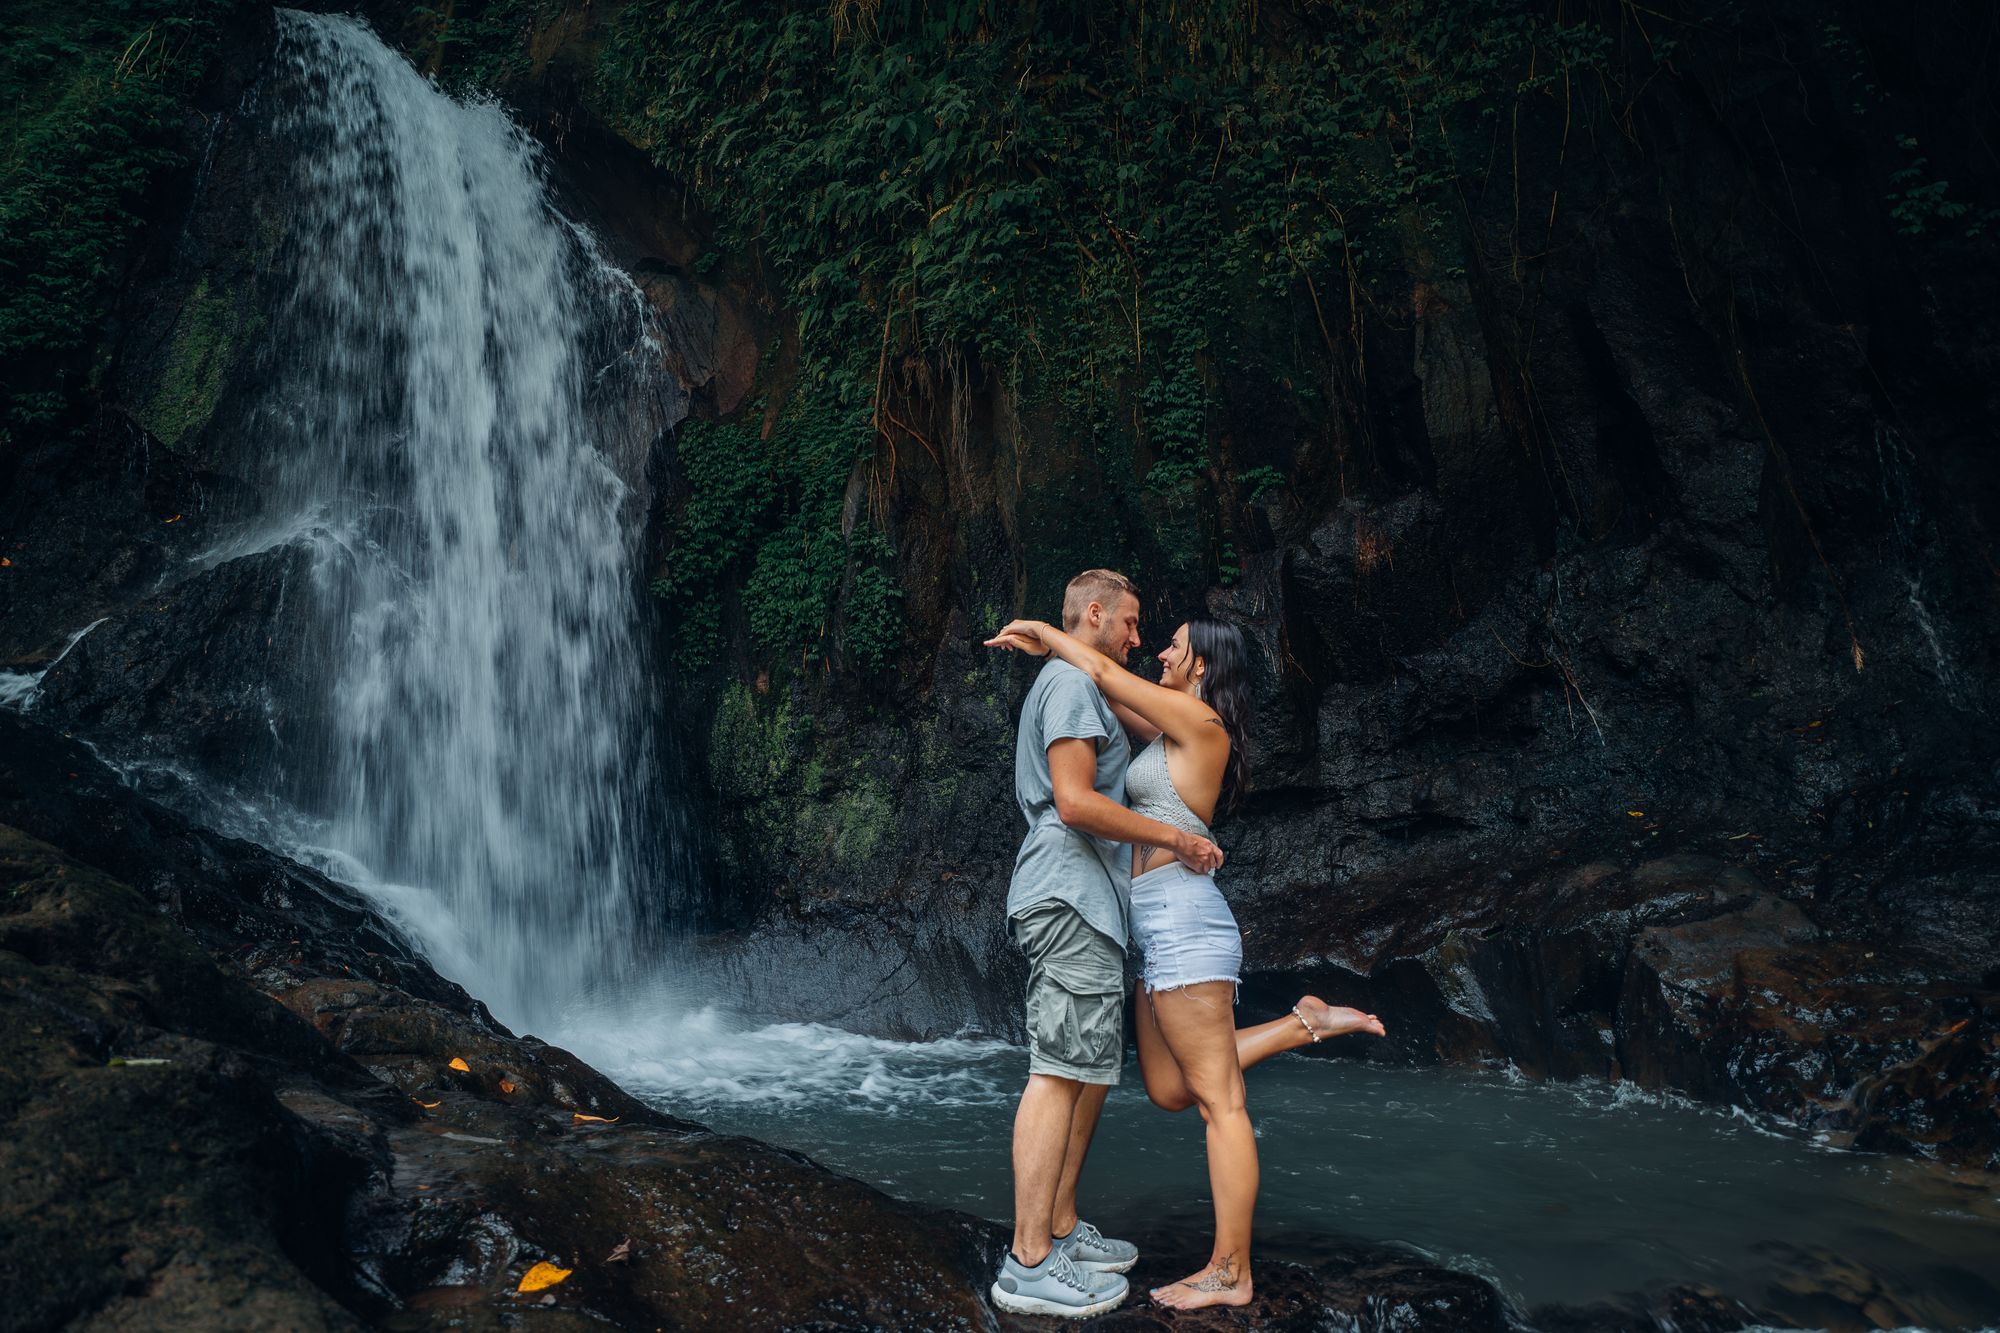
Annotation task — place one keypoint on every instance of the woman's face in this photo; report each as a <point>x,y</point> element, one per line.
<point>1177,664</point>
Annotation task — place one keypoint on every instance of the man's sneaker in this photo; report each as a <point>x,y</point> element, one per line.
<point>1094,1252</point>
<point>1056,1286</point>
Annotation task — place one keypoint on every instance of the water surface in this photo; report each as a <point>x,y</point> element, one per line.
<point>1559,1193</point>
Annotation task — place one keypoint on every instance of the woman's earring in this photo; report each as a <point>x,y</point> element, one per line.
<point>1198,691</point>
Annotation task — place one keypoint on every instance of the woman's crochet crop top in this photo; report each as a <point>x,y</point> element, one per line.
<point>1149,791</point>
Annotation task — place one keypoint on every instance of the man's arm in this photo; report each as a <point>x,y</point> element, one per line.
<point>1073,771</point>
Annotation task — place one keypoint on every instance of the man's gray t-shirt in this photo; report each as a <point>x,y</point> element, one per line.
<point>1056,861</point>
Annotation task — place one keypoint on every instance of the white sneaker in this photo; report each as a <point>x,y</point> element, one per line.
<point>1094,1252</point>
<point>1056,1286</point>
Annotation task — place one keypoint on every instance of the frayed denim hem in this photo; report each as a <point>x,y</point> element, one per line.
<point>1236,982</point>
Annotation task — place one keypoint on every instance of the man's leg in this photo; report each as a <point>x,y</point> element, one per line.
<point>1082,1124</point>
<point>1050,1106</point>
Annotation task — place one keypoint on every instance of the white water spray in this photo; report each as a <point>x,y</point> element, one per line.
<point>462,397</point>
<point>1906,516</point>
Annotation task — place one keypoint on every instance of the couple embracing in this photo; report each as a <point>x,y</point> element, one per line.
<point>1119,849</point>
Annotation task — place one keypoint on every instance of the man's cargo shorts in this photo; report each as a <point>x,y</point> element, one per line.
<point>1076,994</point>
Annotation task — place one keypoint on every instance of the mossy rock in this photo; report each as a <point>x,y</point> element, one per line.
<point>208,334</point>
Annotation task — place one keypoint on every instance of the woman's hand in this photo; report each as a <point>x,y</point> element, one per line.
<point>1024,636</point>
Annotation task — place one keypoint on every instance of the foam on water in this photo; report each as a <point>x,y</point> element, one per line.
<point>19,689</point>
<point>705,1059</point>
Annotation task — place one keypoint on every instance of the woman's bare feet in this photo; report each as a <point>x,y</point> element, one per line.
<point>1224,1282</point>
<point>1324,1020</point>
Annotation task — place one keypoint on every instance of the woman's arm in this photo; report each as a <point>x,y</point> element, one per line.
<point>1138,728</point>
<point>1185,719</point>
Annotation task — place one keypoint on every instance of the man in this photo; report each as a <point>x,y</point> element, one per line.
<point>1067,909</point>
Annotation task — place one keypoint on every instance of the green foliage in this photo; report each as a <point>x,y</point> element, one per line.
<point>776,509</point>
<point>771,770</point>
<point>1920,205</point>
<point>1259,482</point>
<point>483,44</point>
<point>1083,196</point>
<point>729,494</point>
<point>91,102</point>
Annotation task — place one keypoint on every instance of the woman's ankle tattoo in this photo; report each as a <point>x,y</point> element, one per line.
<point>1220,1277</point>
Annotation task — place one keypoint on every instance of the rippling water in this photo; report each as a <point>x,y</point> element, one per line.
<point>1559,1193</point>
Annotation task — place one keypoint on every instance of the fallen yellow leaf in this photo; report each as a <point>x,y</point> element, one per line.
<point>428,1105</point>
<point>458,1063</point>
<point>579,1116</point>
<point>1636,814</point>
<point>505,1086</point>
<point>541,1276</point>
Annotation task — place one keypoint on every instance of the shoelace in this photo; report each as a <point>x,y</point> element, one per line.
<point>1063,1271</point>
<point>1087,1234</point>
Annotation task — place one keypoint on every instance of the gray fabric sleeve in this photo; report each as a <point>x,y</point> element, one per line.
<point>1070,710</point>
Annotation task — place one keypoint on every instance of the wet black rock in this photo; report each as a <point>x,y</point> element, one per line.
<point>234,1099</point>
<point>164,674</point>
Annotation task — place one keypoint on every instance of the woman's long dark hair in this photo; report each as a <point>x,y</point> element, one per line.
<point>1225,687</point>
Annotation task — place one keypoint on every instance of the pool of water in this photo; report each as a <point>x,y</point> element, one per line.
<point>1561,1194</point>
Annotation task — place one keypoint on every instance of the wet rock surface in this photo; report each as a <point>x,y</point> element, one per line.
<point>1358,1288</point>
<point>233,1102</point>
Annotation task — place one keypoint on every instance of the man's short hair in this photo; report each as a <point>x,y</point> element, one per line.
<point>1093,585</point>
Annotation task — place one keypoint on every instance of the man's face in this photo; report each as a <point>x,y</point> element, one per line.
<point>1118,630</point>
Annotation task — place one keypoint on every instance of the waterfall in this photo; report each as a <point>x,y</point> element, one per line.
<point>462,394</point>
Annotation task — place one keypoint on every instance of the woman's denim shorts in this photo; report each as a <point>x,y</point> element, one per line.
<point>1184,928</point>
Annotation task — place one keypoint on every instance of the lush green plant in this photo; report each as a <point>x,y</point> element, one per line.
<point>1081,195</point>
<point>772,507</point>
<point>1921,205</point>
<point>92,98</point>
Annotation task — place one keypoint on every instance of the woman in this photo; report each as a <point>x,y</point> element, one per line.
<point>1190,1050</point>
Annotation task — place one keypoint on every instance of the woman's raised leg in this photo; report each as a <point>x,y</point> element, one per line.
<point>1315,1017</point>
<point>1197,1026</point>
<point>1167,1087</point>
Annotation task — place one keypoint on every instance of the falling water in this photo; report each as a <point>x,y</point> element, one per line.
<point>1899,492</point>
<point>463,394</point>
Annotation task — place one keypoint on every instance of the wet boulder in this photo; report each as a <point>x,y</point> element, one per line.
<point>1877,1046</point>
<point>206,673</point>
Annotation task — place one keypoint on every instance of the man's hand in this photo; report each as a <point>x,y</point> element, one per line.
<point>1198,854</point>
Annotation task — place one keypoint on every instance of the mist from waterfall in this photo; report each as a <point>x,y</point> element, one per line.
<point>463,394</point>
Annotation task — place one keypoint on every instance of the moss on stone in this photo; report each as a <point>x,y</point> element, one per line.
<point>190,383</point>
<point>855,823</point>
<point>752,754</point>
